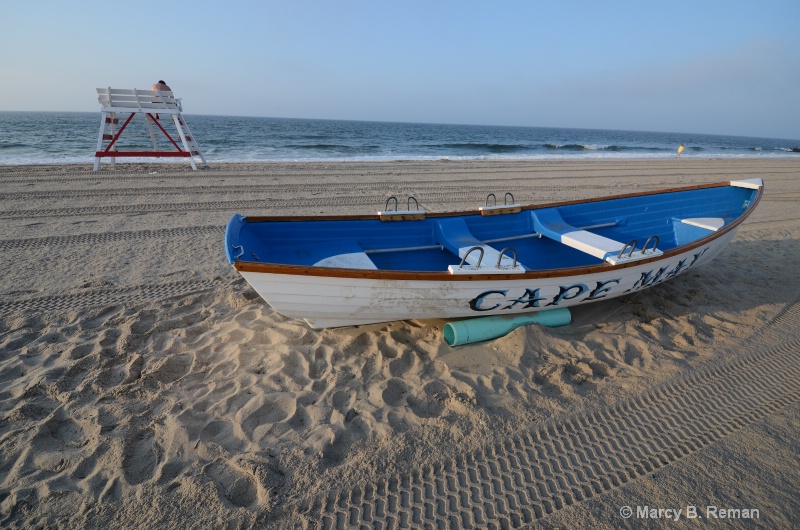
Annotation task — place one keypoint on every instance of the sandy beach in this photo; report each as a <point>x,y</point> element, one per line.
<point>144,384</point>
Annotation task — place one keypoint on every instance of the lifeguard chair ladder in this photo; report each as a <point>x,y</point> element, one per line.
<point>151,104</point>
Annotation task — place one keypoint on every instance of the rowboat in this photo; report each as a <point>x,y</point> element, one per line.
<point>499,259</point>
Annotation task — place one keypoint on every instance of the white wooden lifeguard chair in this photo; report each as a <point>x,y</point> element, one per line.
<point>150,105</point>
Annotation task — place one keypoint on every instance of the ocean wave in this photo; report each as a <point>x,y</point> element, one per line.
<point>12,145</point>
<point>38,159</point>
<point>583,147</point>
<point>341,148</point>
<point>565,147</point>
<point>610,148</point>
<point>484,147</point>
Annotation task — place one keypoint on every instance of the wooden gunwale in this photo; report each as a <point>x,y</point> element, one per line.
<point>374,217</point>
<point>303,270</point>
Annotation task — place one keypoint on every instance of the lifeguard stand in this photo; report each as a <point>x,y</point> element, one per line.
<point>152,106</point>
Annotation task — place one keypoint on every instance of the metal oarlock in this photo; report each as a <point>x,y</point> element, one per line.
<point>464,259</point>
<point>655,244</point>
<point>631,244</point>
<point>500,257</point>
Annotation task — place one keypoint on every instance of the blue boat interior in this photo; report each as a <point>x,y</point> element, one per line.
<point>539,237</point>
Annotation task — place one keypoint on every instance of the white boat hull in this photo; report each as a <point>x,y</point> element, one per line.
<point>334,301</point>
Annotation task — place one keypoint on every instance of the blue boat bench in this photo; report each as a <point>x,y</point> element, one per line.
<point>549,223</point>
<point>454,235</point>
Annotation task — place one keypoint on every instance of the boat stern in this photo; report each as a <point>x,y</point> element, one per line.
<point>234,249</point>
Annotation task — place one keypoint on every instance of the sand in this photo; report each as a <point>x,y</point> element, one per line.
<point>143,384</point>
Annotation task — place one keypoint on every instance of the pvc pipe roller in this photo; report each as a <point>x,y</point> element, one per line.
<point>486,328</point>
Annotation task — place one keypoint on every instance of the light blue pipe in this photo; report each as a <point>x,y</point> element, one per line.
<point>485,328</point>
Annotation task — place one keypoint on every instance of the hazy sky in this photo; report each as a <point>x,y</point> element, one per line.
<point>722,67</point>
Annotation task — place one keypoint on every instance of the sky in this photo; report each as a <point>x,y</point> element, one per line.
<point>714,67</point>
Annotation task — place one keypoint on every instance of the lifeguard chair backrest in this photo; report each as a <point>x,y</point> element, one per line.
<point>127,100</point>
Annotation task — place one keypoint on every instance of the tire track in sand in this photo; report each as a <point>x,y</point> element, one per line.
<point>565,461</point>
<point>107,237</point>
<point>111,296</point>
<point>232,206</point>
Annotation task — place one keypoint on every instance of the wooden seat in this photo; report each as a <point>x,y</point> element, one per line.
<point>151,104</point>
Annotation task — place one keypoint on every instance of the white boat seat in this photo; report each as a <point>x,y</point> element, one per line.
<point>549,223</point>
<point>709,223</point>
<point>691,229</point>
<point>752,184</point>
<point>352,260</point>
<point>346,254</point>
<point>454,235</point>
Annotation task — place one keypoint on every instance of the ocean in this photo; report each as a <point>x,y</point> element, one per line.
<point>71,137</point>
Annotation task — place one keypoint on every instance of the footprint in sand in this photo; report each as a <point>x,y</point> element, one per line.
<point>396,392</point>
<point>141,458</point>
<point>271,409</point>
<point>169,472</point>
<point>64,429</point>
<point>222,433</point>
<point>173,368</point>
<point>81,350</point>
<point>238,487</point>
